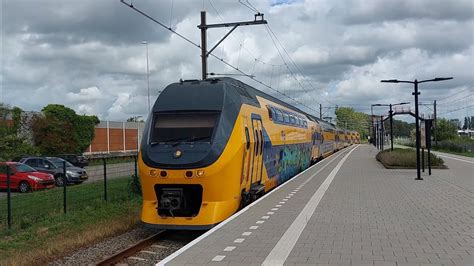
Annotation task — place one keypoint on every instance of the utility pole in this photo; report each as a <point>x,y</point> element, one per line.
<point>391,128</point>
<point>203,27</point>
<point>203,45</point>
<point>321,111</point>
<point>435,124</point>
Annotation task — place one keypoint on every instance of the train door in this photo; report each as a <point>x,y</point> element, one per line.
<point>257,151</point>
<point>247,157</point>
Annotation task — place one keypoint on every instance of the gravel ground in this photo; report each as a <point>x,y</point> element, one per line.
<point>171,242</point>
<point>110,246</point>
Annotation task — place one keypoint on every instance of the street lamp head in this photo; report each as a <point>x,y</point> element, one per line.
<point>144,42</point>
<point>401,103</point>
<point>441,79</point>
<point>389,81</point>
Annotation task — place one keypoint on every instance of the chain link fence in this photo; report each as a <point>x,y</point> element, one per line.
<point>107,182</point>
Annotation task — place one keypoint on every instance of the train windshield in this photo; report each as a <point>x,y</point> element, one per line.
<point>183,127</point>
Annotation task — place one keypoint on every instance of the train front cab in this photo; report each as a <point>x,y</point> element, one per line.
<point>179,193</point>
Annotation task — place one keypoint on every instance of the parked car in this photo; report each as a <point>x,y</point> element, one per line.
<point>24,178</point>
<point>75,159</point>
<point>54,166</point>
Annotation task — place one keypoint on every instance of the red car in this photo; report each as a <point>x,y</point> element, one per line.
<point>24,178</point>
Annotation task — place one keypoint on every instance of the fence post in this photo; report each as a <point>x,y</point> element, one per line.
<point>104,160</point>
<point>64,186</point>
<point>135,164</point>
<point>9,203</point>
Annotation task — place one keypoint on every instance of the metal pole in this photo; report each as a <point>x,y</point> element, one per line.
<point>373,124</point>
<point>383,133</point>
<point>203,45</point>
<point>423,160</point>
<point>417,133</point>
<point>435,124</point>
<point>148,76</point>
<point>135,164</point>
<point>9,199</point>
<point>428,144</point>
<point>391,128</point>
<point>64,187</point>
<point>104,161</point>
<point>320,111</point>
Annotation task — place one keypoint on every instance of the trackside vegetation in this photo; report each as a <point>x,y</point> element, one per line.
<point>50,234</point>
<point>406,159</point>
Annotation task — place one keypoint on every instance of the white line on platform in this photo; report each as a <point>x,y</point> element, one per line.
<point>239,240</point>
<point>229,248</point>
<point>253,227</point>
<point>453,158</point>
<point>270,213</point>
<point>260,222</point>
<point>237,214</point>
<point>217,258</point>
<point>246,233</point>
<point>285,245</point>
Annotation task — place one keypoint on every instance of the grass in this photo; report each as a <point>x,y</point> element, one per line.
<point>406,158</point>
<point>43,232</point>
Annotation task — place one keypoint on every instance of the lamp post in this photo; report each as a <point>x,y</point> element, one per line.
<point>417,126</point>
<point>391,118</point>
<point>147,75</point>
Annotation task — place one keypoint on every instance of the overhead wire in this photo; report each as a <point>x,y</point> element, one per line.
<point>216,57</point>
<point>457,109</point>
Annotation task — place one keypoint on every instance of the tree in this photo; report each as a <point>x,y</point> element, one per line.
<point>12,142</point>
<point>60,130</point>
<point>446,129</point>
<point>135,119</point>
<point>467,123</point>
<point>349,119</point>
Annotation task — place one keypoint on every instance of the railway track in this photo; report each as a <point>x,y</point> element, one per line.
<point>152,249</point>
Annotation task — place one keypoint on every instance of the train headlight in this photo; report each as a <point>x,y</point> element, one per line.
<point>200,173</point>
<point>153,172</point>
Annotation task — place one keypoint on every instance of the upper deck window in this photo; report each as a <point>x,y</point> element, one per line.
<point>279,116</point>
<point>183,127</point>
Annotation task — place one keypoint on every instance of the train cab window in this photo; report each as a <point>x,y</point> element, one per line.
<point>279,116</point>
<point>300,122</point>
<point>286,118</point>
<point>305,124</point>
<point>247,138</point>
<point>183,127</point>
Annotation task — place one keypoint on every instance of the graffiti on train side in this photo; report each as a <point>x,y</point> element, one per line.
<point>284,162</point>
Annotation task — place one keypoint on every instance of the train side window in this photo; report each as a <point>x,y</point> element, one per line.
<point>270,112</point>
<point>247,137</point>
<point>257,142</point>
<point>279,115</point>
<point>292,119</point>
<point>286,118</point>
<point>261,142</point>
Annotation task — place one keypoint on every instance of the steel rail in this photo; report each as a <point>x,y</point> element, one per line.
<point>130,251</point>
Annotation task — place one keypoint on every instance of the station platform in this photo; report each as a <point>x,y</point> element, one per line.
<point>345,210</point>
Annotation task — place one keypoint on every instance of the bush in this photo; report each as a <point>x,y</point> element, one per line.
<point>459,144</point>
<point>406,158</point>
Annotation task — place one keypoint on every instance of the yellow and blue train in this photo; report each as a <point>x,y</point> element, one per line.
<point>211,147</point>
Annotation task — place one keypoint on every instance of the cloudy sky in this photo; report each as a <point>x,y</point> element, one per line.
<point>89,55</point>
